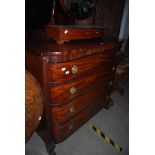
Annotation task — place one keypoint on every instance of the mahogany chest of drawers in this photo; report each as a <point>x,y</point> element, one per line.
<point>76,78</point>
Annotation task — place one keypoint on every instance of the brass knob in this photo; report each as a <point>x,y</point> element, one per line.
<point>70,127</point>
<point>113,68</point>
<point>110,83</point>
<point>39,118</point>
<point>66,31</point>
<point>63,69</point>
<point>72,90</point>
<point>72,109</point>
<point>74,69</point>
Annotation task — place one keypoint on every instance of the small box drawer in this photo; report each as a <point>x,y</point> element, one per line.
<point>61,94</point>
<point>70,32</point>
<point>64,71</point>
<point>61,132</point>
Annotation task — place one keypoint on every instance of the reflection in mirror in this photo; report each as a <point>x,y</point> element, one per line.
<point>79,9</point>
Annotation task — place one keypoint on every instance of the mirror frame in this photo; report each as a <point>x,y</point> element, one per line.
<point>69,13</point>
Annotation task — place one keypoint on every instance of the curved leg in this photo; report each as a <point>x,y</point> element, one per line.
<point>109,103</point>
<point>50,148</point>
<point>118,88</point>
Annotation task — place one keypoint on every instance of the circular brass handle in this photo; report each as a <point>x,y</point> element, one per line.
<point>74,69</point>
<point>72,109</point>
<point>72,90</point>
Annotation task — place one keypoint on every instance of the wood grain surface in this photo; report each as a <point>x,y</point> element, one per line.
<point>76,78</point>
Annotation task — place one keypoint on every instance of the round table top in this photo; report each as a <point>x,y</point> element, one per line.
<point>33,104</point>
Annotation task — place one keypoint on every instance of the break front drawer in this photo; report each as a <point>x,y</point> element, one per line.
<point>64,71</point>
<point>61,132</point>
<point>61,114</point>
<point>63,93</point>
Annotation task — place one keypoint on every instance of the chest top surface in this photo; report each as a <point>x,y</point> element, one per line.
<point>69,51</point>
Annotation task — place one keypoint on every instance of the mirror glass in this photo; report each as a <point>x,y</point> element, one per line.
<point>79,9</point>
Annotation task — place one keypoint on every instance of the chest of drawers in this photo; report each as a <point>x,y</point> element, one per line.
<point>76,79</point>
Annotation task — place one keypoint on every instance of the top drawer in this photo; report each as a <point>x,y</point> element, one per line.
<point>71,69</point>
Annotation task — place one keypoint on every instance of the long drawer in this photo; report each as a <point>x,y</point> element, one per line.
<point>72,69</point>
<point>61,132</point>
<point>63,93</point>
<point>61,114</point>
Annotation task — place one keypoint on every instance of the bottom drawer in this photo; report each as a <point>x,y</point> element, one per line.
<point>61,132</point>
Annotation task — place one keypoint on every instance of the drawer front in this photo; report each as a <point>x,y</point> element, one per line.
<point>61,94</point>
<point>62,114</point>
<point>61,132</point>
<point>71,69</point>
<point>72,33</point>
